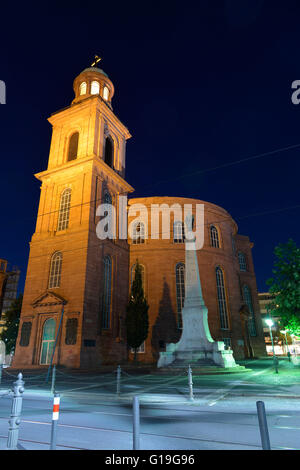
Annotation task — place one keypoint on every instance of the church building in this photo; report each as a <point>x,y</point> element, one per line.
<point>78,285</point>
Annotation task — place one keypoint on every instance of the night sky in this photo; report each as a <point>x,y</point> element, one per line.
<point>198,84</point>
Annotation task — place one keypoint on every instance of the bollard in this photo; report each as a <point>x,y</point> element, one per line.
<point>55,416</point>
<point>1,368</point>
<point>118,380</point>
<point>190,377</point>
<point>136,423</point>
<point>263,425</point>
<point>15,417</point>
<point>53,379</point>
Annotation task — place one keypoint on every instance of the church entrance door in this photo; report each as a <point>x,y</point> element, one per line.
<point>48,341</point>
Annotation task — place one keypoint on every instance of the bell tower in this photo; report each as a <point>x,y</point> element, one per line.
<point>77,285</point>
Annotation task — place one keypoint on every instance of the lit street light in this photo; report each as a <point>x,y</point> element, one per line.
<point>270,323</point>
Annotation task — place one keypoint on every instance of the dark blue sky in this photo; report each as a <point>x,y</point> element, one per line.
<point>198,84</point>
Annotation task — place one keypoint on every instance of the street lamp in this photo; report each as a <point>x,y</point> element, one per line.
<point>284,332</point>
<point>270,323</point>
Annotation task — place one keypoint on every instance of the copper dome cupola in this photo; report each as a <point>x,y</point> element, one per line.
<point>93,81</point>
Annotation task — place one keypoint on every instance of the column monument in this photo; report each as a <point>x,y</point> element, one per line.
<point>196,347</point>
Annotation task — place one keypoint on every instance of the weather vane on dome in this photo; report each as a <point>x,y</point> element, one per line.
<point>97,59</point>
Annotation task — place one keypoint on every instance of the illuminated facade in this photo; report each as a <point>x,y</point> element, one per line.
<point>77,285</point>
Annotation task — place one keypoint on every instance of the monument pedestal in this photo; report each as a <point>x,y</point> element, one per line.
<point>196,347</point>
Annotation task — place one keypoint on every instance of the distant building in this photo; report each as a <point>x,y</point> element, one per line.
<point>265,299</point>
<point>9,280</point>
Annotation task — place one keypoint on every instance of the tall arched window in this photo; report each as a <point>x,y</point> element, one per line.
<point>95,88</point>
<point>73,146</point>
<point>233,244</point>
<point>106,305</point>
<point>132,276</point>
<point>138,233</point>
<point>214,237</point>
<point>48,340</point>
<point>248,301</point>
<point>64,210</point>
<point>178,230</point>
<point>55,270</point>
<point>180,291</point>
<point>242,261</point>
<point>109,152</point>
<point>82,88</point>
<point>222,299</point>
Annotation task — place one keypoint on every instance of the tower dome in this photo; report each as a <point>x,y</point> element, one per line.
<point>93,81</point>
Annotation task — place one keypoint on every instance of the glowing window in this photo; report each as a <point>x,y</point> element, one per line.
<point>105,93</point>
<point>95,87</point>
<point>82,88</point>
<point>64,210</point>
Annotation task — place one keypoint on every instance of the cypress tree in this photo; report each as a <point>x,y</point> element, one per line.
<point>137,322</point>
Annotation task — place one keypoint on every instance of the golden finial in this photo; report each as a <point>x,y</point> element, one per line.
<point>97,59</point>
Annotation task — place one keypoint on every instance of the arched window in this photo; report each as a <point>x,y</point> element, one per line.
<point>132,276</point>
<point>73,146</point>
<point>105,93</point>
<point>178,230</point>
<point>233,244</point>
<point>109,152</point>
<point>55,270</point>
<point>248,301</point>
<point>48,340</point>
<point>180,291</point>
<point>214,237</point>
<point>138,233</point>
<point>107,198</point>
<point>242,261</point>
<point>106,305</point>
<point>95,88</point>
<point>64,210</point>
<point>222,299</point>
<point>82,88</point>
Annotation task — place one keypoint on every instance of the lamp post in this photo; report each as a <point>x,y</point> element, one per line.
<point>270,323</point>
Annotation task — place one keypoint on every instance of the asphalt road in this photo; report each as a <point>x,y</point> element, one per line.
<point>222,416</point>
